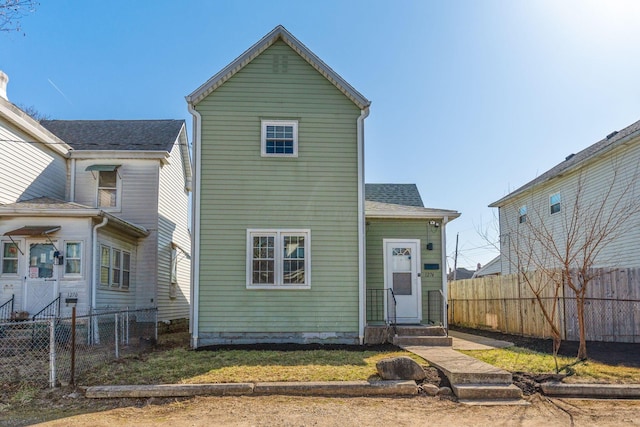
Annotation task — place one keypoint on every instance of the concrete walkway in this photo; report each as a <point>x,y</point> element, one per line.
<point>462,341</point>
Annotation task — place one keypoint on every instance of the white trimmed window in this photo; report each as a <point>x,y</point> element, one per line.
<point>278,259</point>
<point>279,138</point>
<point>115,268</point>
<point>522,214</point>
<point>9,254</point>
<point>554,203</point>
<point>73,259</point>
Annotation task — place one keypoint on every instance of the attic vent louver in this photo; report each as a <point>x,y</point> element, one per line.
<point>612,134</point>
<point>569,156</point>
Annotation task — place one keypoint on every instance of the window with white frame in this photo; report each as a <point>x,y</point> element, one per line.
<point>522,214</point>
<point>73,259</point>
<point>278,259</point>
<point>554,203</point>
<point>108,189</point>
<point>115,268</point>
<point>9,254</point>
<point>279,138</point>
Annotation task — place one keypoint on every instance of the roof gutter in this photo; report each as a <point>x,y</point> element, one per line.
<point>362,309</point>
<point>195,226</point>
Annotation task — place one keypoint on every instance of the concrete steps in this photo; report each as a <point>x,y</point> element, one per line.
<point>472,381</point>
<point>421,335</point>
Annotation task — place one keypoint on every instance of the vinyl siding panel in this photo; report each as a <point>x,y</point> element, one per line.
<point>139,181</point>
<point>379,229</point>
<point>27,169</point>
<point>242,190</point>
<point>173,209</point>
<point>616,171</point>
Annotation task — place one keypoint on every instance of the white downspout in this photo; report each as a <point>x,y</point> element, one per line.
<point>72,184</point>
<point>195,228</point>
<point>362,309</point>
<point>443,269</point>
<point>94,258</point>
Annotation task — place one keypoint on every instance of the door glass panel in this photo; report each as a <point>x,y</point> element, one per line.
<point>41,260</point>
<point>402,283</point>
<point>401,259</point>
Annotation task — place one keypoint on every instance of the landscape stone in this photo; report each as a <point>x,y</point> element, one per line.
<point>400,368</point>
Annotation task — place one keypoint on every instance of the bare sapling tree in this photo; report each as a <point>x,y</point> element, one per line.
<point>565,246</point>
<point>12,12</point>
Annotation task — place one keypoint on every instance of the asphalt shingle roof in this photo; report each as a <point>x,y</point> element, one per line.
<point>395,194</point>
<point>575,159</point>
<point>142,135</point>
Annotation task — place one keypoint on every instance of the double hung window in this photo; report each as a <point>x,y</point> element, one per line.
<point>73,259</point>
<point>279,138</point>
<point>108,189</point>
<point>522,214</point>
<point>9,258</point>
<point>554,203</point>
<point>115,268</point>
<point>278,259</point>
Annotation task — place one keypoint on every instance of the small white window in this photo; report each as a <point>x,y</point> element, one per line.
<point>279,138</point>
<point>278,259</point>
<point>73,259</point>
<point>9,254</point>
<point>105,265</point>
<point>522,214</point>
<point>108,189</point>
<point>554,203</point>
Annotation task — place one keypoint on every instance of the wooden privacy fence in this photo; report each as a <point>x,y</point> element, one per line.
<point>508,304</point>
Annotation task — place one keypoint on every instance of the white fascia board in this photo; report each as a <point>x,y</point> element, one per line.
<point>278,33</point>
<point>31,127</point>
<point>416,215</point>
<point>183,144</point>
<point>49,212</point>
<point>118,154</point>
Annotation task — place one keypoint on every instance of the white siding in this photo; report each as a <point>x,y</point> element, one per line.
<point>28,169</point>
<point>617,171</point>
<point>138,204</point>
<point>173,208</point>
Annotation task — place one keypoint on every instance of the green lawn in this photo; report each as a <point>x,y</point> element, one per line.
<point>516,359</point>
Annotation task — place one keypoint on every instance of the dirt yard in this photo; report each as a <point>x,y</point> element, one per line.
<point>306,411</point>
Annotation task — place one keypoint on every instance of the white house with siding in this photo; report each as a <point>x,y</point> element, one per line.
<point>95,210</point>
<point>605,174</point>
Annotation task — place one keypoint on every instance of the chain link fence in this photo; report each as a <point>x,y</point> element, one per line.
<point>55,351</point>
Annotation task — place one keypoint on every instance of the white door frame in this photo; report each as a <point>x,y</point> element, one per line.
<point>28,281</point>
<point>413,302</point>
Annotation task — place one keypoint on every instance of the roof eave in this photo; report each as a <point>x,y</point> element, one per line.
<point>571,168</point>
<point>278,33</point>
<point>450,215</point>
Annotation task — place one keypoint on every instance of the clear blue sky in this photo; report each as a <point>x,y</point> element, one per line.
<point>470,99</point>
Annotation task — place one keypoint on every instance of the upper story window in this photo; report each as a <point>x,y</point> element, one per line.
<point>554,203</point>
<point>279,138</point>
<point>522,214</point>
<point>9,258</point>
<point>107,189</point>
<point>108,183</point>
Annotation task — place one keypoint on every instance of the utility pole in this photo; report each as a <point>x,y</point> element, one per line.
<point>455,259</point>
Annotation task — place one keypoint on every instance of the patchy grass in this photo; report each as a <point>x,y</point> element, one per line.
<point>179,365</point>
<point>517,359</point>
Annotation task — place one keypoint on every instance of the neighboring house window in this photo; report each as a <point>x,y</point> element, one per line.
<point>115,268</point>
<point>9,258</point>
<point>522,214</point>
<point>107,189</point>
<point>174,264</point>
<point>554,203</point>
<point>278,259</point>
<point>73,259</point>
<point>279,138</point>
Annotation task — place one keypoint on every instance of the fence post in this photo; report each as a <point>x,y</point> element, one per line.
<point>73,345</point>
<point>52,353</point>
<point>127,326</point>
<point>116,332</point>
<point>156,324</point>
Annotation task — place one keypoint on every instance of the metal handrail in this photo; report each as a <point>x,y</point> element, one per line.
<point>7,308</point>
<point>51,310</point>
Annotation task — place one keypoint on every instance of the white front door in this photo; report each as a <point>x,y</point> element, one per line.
<point>40,277</point>
<point>402,275</point>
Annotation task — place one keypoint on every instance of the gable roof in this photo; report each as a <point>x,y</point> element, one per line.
<point>397,194</point>
<point>278,33</point>
<point>138,135</point>
<point>576,160</point>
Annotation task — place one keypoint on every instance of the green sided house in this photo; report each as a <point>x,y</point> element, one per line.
<point>287,247</point>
